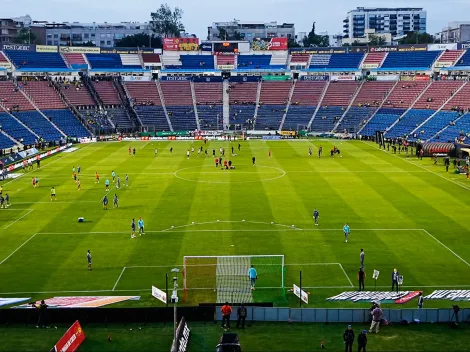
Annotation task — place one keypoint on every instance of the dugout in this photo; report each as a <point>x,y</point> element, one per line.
<point>430,149</point>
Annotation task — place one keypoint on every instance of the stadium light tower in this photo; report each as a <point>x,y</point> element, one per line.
<point>174,300</point>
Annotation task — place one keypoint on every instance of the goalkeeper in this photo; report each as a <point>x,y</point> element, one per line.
<point>253,275</point>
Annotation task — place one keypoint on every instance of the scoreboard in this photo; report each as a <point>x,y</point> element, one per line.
<point>226,47</point>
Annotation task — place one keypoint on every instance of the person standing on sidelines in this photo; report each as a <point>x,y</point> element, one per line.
<point>320,152</point>
<point>253,276</point>
<point>88,257</point>
<point>361,257</point>
<point>346,231</point>
<point>115,201</point>
<point>376,317</point>
<point>362,341</point>
<point>226,311</point>
<point>241,316</point>
<point>141,226</point>
<point>348,337</point>
<point>395,275</point>
<point>420,300</point>
<point>361,275</point>
<point>133,228</point>
<point>316,215</point>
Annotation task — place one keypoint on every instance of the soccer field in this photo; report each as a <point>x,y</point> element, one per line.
<point>406,214</point>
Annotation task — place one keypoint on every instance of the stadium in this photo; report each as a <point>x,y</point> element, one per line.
<point>224,152</point>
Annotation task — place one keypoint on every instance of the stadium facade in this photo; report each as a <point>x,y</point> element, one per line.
<point>250,29</point>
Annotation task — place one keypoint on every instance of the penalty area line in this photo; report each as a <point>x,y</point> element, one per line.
<point>17,249</point>
<point>21,217</point>
<point>119,278</point>
<point>443,245</point>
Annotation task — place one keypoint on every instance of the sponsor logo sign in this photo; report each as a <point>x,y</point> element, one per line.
<point>314,78</point>
<point>440,64</point>
<point>330,50</point>
<point>79,49</point>
<point>19,164</point>
<point>127,51</point>
<point>383,49</point>
<point>87,140</point>
<point>300,293</point>
<point>82,301</point>
<point>450,295</point>
<point>450,46</point>
<point>415,47</point>
<point>19,47</point>
<point>5,65</point>
<point>46,48</point>
<point>205,46</point>
<point>8,301</point>
<point>272,137</point>
<point>269,44</point>
<point>181,341</point>
<point>71,340</point>
<point>226,67</point>
<point>159,294</point>
<point>463,46</point>
<point>175,78</point>
<point>288,133</point>
<point>343,78</point>
<point>375,296</point>
<point>181,44</point>
<point>366,66</point>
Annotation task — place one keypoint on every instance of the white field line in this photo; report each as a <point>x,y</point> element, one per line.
<point>443,245</point>
<point>17,249</point>
<point>146,144</point>
<point>107,192</point>
<point>422,167</point>
<point>119,278</point>
<point>344,271</point>
<point>21,217</point>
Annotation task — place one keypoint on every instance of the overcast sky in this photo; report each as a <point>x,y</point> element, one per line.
<point>201,13</point>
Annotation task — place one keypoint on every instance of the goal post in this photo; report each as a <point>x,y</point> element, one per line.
<point>228,275</point>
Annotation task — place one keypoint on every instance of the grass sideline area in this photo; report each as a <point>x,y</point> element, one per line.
<point>258,337</point>
<point>405,213</point>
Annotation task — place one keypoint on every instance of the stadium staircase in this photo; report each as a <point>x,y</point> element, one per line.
<point>17,129</point>
<point>448,58</point>
<point>450,132</point>
<point>123,97</point>
<point>319,104</point>
<point>7,141</point>
<point>243,97</point>
<point>273,100</point>
<point>226,104</point>
<point>162,99</point>
<point>358,89</point>
<point>112,103</point>
<point>289,101</point>
<point>379,108</point>
<point>373,60</point>
<point>193,96</point>
<point>258,96</point>
<point>209,101</point>
<point>179,104</point>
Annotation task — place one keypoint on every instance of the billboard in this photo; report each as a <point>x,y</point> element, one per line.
<point>314,78</point>
<point>46,49</point>
<point>205,46</point>
<point>413,47</point>
<point>383,49</point>
<point>81,301</point>
<point>79,49</point>
<point>225,47</point>
<point>71,340</point>
<point>329,50</point>
<point>19,47</point>
<point>181,44</point>
<point>269,44</point>
<point>127,51</point>
<point>439,47</point>
<point>159,294</point>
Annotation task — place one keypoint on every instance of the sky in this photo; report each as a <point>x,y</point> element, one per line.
<point>200,14</point>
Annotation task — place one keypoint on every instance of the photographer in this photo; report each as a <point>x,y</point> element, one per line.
<point>42,308</point>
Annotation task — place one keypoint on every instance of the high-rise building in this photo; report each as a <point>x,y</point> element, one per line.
<point>396,21</point>
<point>455,32</point>
<point>9,28</point>
<point>249,30</point>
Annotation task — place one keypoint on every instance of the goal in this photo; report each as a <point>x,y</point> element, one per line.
<point>228,275</point>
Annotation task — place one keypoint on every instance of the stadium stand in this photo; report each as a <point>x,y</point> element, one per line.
<point>253,62</point>
<point>147,104</point>
<point>43,94</point>
<point>40,125</point>
<point>119,117</point>
<point>459,130</point>
<point>14,128</point>
<point>3,58</point>
<point>197,62</point>
<point>300,58</point>
<point>225,60</point>
<point>305,99</point>
<point>130,61</point>
<point>449,57</point>
<point>76,94</point>
<point>179,105</point>
<point>423,59</point>
<point>28,60</point>
<point>364,105</point>
<point>384,118</point>
<point>76,61</point>
<point>464,60</point>
<point>434,125</point>
<point>111,61</point>
<point>437,94</point>
<point>334,104</point>
<point>5,142</point>
<point>67,122</point>
<point>272,104</point>
<point>12,98</point>
<point>107,92</point>
<point>209,101</point>
<point>460,100</point>
<point>151,59</point>
<point>373,60</point>
<point>242,102</point>
<point>339,61</point>
<point>408,122</point>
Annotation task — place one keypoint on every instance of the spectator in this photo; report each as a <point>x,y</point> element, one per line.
<point>241,314</point>
<point>420,300</point>
<point>377,315</point>
<point>226,311</point>
<point>348,337</point>
<point>362,341</point>
<point>361,275</point>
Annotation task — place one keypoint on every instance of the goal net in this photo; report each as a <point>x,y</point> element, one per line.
<point>228,276</point>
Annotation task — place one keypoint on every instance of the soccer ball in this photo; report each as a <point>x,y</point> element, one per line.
<point>293,225</point>
<point>218,220</point>
<point>172,227</point>
<point>272,223</point>
<point>243,220</point>
<point>192,223</point>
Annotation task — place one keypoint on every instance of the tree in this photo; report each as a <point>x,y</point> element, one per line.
<point>25,36</point>
<point>313,39</point>
<point>418,38</point>
<point>140,40</point>
<point>88,43</point>
<point>227,34</point>
<point>376,40</point>
<point>291,43</point>
<point>166,22</point>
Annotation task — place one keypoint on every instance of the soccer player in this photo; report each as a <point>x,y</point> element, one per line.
<point>53,193</point>
<point>2,202</point>
<point>75,176</point>
<point>88,258</point>
<point>113,174</point>
<point>73,170</point>
<point>320,151</point>
<point>213,153</point>
<point>34,182</point>
<point>118,185</point>
<point>361,257</point>
<point>192,149</point>
<point>133,229</point>
<point>361,275</point>
<point>346,231</point>
<point>239,146</point>
<point>133,151</point>
<point>187,153</point>
<point>78,169</point>
<point>310,151</point>
<point>105,202</point>
<point>155,151</point>
<point>7,200</point>
<point>316,215</point>
<point>141,226</point>
<point>106,183</point>
<point>115,201</point>
<point>198,152</point>
<point>130,149</point>
<point>269,153</point>
<point>37,181</point>
<point>253,159</point>
<point>253,276</point>
<point>395,275</point>
<point>79,186</point>
<point>216,162</point>
<point>220,161</point>
<point>232,149</point>
<point>97,178</point>
<point>171,150</point>
<point>127,180</point>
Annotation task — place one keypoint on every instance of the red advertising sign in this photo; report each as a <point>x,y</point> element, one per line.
<point>71,340</point>
<point>181,44</point>
<point>270,44</point>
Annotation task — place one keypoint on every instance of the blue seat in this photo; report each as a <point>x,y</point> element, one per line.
<point>16,130</point>
<point>382,120</point>
<point>211,117</point>
<point>153,116</point>
<point>5,142</point>
<point>107,61</point>
<point>298,116</point>
<point>337,60</point>
<point>27,59</point>
<point>182,118</point>
<point>197,62</point>
<point>67,122</point>
<point>269,117</point>
<point>409,122</point>
<point>120,118</point>
<point>242,114</point>
<point>410,59</point>
<point>253,62</point>
<point>41,126</point>
<point>354,117</point>
<point>326,118</point>
<point>464,60</point>
<point>462,126</point>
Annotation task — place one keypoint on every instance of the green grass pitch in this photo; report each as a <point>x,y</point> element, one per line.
<point>406,214</point>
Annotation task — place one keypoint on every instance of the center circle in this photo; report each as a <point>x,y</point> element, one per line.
<point>216,175</point>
